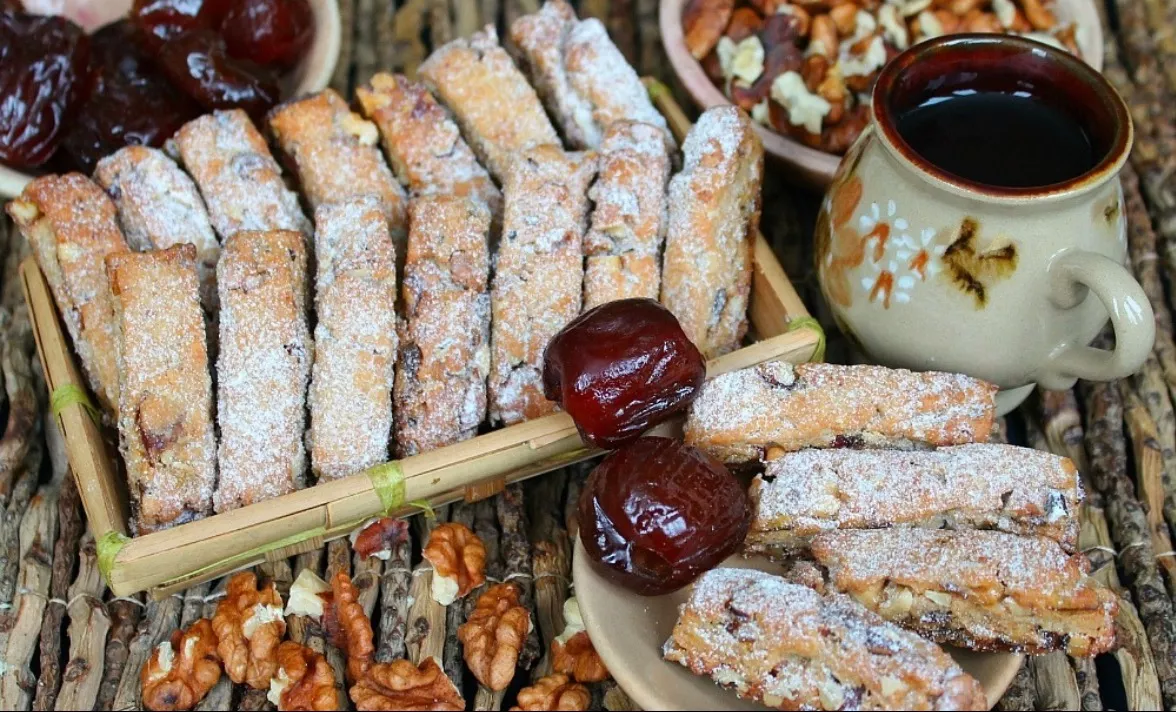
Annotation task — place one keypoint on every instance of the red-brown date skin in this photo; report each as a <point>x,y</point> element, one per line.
<point>131,102</point>
<point>42,81</point>
<point>620,369</point>
<point>657,514</point>
<point>160,21</point>
<point>197,63</point>
<point>271,33</point>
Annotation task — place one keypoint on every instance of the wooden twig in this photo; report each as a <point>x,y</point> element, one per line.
<point>20,386</point>
<point>1129,527</point>
<point>467,17</point>
<point>159,620</point>
<point>614,698</point>
<point>21,625</point>
<point>65,554</point>
<point>550,560</point>
<point>1087,678</point>
<point>455,613</point>
<point>394,603</point>
<point>341,79</point>
<point>366,62</point>
<point>651,56</point>
<point>255,701</point>
<point>220,697</point>
<point>338,559</point>
<point>297,627</point>
<point>385,36</point>
<point>622,27</point>
<point>124,618</point>
<point>1137,666</point>
<point>365,573</point>
<point>426,617</point>
<point>406,33</point>
<point>1149,474</point>
<point>516,555</point>
<point>88,626</point>
<point>440,24</point>
<point>486,527</point>
<point>192,604</point>
<point>1022,693</point>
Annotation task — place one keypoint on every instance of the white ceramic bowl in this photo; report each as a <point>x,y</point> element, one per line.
<point>312,74</point>
<point>808,166</point>
<point>628,632</point>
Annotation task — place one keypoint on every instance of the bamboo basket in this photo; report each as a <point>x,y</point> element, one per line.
<point>174,559</point>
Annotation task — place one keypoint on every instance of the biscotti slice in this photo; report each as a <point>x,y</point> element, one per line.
<point>776,407</point>
<point>262,368</point>
<point>1002,487</point>
<point>422,142</point>
<point>159,206</point>
<point>791,648</point>
<point>583,78</point>
<point>239,179</point>
<point>72,227</point>
<point>623,244</point>
<point>355,339</point>
<point>496,108</point>
<point>335,153</point>
<point>980,590</point>
<point>538,274</point>
<point>165,396</point>
<point>714,209</point>
<point>445,338</point>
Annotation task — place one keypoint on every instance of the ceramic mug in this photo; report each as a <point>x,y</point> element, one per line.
<point>926,270</point>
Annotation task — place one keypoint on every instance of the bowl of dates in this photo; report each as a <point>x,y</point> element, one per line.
<point>657,514</point>
<point>80,86</point>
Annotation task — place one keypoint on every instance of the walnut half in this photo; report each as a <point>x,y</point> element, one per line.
<point>305,681</point>
<point>554,692</point>
<point>348,627</point>
<point>458,557</point>
<point>494,634</point>
<point>572,652</point>
<point>181,671</point>
<point>249,626</point>
<point>400,685</point>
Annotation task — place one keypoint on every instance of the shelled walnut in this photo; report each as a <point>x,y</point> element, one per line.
<point>458,557</point>
<point>249,626</point>
<point>400,685</point>
<point>182,670</point>
<point>554,692</point>
<point>305,681</point>
<point>805,67</point>
<point>572,652</point>
<point>493,635</point>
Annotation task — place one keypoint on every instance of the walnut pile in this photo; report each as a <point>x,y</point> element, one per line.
<point>249,625</point>
<point>494,634</point>
<point>400,685</point>
<point>305,681</point>
<point>347,626</point>
<point>805,67</point>
<point>458,557</point>
<point>554,692</point>
<point>181,671</point>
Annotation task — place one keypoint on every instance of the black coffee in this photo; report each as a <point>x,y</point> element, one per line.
<point>999,139</point>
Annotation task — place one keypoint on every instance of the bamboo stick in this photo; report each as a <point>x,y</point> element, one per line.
<point>124,617</point>
<point>65,554</point>
<point>20,626</point>
<point>88,626</point>
<point>159,620</point>
<point>1137,668</point>
<point>1129,527</point>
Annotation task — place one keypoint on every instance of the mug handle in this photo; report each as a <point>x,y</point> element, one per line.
<point>1131,315</point>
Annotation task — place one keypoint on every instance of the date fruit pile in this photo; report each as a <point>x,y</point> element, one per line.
<point>71,99</point>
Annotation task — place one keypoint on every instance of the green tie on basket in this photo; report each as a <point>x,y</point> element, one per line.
<point>808,322</point>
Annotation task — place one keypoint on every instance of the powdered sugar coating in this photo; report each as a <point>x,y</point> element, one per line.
<point>714,207</point>
<point>1012,489</point>
<point>159,206</point>
<point>623,245</point>
<point>262,369</point>
<point>239,179</point>
<point>538,275</point>
<point>739,416</point>
<point>335,153</point>
<point>445,352</point>
<point>355,339</point>
<point>496,108</point>
<point>165,399</point>
<point>423,144</point>
<point>72,227</point>
<point>789,647</point>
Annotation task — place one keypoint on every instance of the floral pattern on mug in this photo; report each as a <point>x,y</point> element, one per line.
<point>898,258</point>
<point>847,248</point>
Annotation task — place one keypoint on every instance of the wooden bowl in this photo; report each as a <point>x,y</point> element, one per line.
<point>628,631</point>
<point>312,73</point>
<point>808,166</point>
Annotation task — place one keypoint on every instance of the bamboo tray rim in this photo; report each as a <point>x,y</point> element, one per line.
<point>176,558</point>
